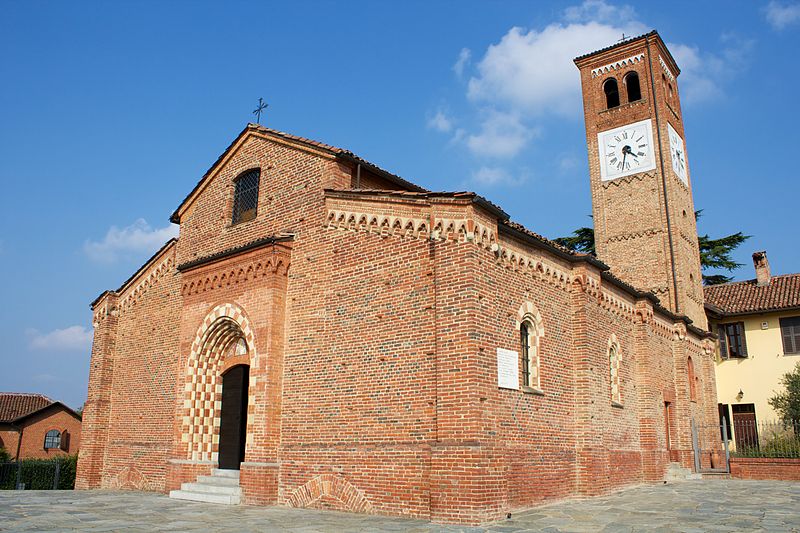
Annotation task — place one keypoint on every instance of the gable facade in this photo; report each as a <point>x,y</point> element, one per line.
<point>369,321</point>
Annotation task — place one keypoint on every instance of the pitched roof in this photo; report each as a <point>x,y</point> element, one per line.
<point>629,40</point>
<point>332,150</point>
<point>15,405</point>
<point>742,297</point>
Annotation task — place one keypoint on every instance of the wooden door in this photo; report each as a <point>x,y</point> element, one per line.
<point>233,417</point>
<point>745,429</point>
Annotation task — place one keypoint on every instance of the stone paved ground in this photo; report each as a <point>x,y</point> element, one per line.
<point>709,505</point>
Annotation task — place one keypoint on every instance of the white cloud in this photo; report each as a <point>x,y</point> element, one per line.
<point>532,71</point>
<point>780,15</point>
<point>568,162</point>
<point>72,338</point>
<point>464,58</point>
<point>600,11</point>
<point>704,74</point>
<point>501,135</point>
<point>440,122</point>
<point>495,176</point>
<point>137,238</point>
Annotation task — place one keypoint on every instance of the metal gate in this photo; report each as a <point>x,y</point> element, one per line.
<point>711,444</point>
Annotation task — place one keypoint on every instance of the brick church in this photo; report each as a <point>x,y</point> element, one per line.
<point>326,334</point>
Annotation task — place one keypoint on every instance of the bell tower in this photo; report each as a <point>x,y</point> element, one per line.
<point>644,222</point>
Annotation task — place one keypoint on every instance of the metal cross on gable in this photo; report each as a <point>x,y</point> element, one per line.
<point>261,107</point>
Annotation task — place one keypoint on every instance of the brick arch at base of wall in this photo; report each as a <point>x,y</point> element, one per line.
<point>329,487</point>
<point>129,478</point>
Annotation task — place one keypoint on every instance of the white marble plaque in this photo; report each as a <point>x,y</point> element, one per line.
<point>507,369</point>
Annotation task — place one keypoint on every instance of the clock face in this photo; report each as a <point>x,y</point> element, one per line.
<point>626,150</point>
<point>677,152</point>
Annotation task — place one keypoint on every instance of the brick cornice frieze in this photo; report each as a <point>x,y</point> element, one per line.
<point>234,269</point>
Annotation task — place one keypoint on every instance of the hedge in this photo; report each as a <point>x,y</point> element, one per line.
<point>38,474</point>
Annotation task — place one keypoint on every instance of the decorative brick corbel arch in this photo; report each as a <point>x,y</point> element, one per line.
<point>331,486</point>
<point>223,326</point>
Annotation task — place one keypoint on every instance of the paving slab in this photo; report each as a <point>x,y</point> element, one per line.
<point>692,506</point>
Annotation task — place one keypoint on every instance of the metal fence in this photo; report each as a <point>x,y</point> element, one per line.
<point>27,475</point>
<point>775,439</point>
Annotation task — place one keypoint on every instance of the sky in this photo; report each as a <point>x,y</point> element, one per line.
<point>110,112</point>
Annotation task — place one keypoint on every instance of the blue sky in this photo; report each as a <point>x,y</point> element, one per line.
<point>110,112</point>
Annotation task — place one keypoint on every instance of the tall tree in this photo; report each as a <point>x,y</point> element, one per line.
<point>787,402</point>
<point>714,253</point>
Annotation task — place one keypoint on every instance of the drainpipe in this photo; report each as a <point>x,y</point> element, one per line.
<point>677,310</point>
<point>358,176</point>
<point>19,440</point>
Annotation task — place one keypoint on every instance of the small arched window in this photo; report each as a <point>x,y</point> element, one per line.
<point>691,377</point>
<point>531,332</point>
<point>245,196</point>
<point>525,353</point>
<point>669,87</point>
<point>614,364</point>
<point>612,93</point>
<point>52,440</point>
<point>632,88</point>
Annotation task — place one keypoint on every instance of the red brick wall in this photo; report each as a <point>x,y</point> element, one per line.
<point>9,440</point>
<point>765,468</point>
<point>130,409</point>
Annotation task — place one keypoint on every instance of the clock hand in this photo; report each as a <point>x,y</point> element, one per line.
<point>626,151</point>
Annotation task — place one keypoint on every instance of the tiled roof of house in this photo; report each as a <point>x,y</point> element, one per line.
<point>14,405</point>
<point>741,297</point>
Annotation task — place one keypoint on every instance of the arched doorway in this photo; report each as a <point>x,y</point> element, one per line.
<point>233,417</point>
<point>218,373</point>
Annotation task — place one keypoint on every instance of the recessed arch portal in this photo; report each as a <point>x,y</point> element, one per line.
<point>224,339</point>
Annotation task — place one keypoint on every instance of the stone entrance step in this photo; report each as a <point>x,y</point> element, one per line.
<point>676,472</point>
<point>222,486</point>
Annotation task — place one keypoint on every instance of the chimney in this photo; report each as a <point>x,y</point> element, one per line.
<point>762,268</point>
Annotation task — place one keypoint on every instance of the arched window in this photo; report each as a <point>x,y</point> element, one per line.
<point>669,86</point>
<point>52,440</point>
<point>245,197</point>
<point>525,353</point>
<point>612,93</point>
<point>531,332</point>
<point>614,364</point>
<point>631,81</point>
<point>691,377</point>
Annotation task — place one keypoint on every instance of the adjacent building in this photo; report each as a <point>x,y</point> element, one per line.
<point>34,426</point>
<point>758,324</point>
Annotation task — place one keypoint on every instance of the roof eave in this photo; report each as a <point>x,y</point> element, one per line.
<point>397,180</point>
<point>721,313</point>
<point>46,407</point>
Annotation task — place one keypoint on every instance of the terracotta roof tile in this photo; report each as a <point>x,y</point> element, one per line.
<point>14,405</point>
<point>740,297</point>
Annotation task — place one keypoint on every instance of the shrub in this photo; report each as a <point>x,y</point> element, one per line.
<point>39,474</point>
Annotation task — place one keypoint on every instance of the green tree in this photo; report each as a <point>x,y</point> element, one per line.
<point>714,253</point>
<point>787,402</point>
<point>5,457</point>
